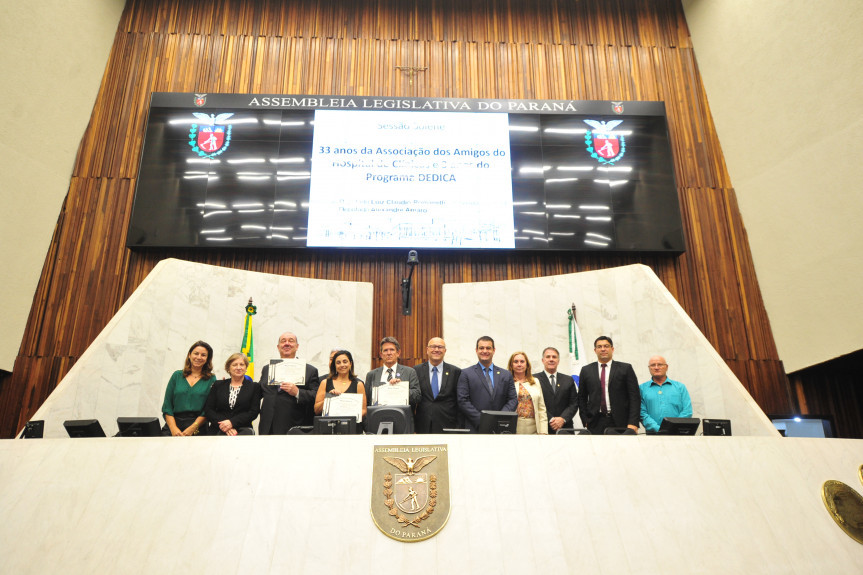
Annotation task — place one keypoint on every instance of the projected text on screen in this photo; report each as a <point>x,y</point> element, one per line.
<point>368,166</point>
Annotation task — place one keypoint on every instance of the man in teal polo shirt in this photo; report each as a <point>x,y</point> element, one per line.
<point>662,397</point>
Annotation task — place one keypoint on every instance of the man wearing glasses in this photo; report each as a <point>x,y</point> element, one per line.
<point>662,397</point>
<point>438,406</point>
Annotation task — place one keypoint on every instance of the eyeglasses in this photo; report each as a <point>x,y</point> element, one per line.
<point>437,347</point>
<point>656,364</point>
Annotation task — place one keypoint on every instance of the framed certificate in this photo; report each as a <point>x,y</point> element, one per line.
<point>391,393</point>
<point>287,370</point>
<point>345,404</point>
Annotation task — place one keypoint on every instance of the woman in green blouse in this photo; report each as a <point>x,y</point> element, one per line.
<point>187,392</point>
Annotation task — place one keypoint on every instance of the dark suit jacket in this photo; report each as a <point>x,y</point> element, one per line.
<point>435,414</point>
<point>280,411</point>
<point>373,379</point>
<point>245,410</point>
<point>474,397</point>
<point>563,401</point>
<point>622,391</point>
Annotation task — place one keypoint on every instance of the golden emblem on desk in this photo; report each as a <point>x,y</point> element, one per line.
<point>410,490</point>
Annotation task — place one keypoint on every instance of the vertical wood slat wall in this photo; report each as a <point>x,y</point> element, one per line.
<point>554,49</point>
<point>833,388</point>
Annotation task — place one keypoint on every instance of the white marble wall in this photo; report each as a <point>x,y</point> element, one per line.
<point>629,304</point>
<point>125,370</point>
<point>520,504</point>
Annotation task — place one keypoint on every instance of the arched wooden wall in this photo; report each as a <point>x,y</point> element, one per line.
<point>554,49</point>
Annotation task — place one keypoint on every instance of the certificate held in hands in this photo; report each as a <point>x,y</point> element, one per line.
<point>391,393</point>
<point>344,404</point>
<point>287,370</point>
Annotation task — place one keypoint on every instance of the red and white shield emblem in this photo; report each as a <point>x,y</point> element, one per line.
<point>211,138</point>
<point>200,99</point>
<point>603,143</point>
<point>606,146</point>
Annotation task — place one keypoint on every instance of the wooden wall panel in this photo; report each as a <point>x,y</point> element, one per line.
<point>833,388</point>
<point>555,49</point>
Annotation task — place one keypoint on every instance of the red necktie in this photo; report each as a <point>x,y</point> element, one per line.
<point>603,406</point>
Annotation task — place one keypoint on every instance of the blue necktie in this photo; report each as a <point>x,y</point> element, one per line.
<point>434,382</point>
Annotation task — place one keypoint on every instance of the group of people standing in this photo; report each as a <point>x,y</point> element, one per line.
<point>442,396</point>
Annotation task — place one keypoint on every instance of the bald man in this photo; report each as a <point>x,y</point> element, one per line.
<point>662,397</point>
<point>438,406</point>
<point>287,404</point>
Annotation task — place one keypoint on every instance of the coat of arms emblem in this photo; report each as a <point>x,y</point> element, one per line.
<point>410,492</point>
<point>603,143</point>
<point>200,99</point>
<point>212,136</point>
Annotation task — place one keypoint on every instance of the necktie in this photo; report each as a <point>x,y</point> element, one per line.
<point>487,371</point>
<point>434,382</point>
<point>389,374</point>
<point>603,406</point>
<point>553,390</point>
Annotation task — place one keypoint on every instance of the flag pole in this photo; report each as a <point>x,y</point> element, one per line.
<point>576,345</point>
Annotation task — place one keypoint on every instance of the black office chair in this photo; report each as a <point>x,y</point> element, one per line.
<point>571,431</point>
<point>300,430</point>
<point>619,431</point>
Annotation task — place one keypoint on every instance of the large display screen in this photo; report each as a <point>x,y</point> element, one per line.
<point>356,172</point>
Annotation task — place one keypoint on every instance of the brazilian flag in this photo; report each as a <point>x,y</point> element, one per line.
<point>248,345</point>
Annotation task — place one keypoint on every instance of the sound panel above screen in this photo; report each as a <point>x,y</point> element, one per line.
<point>234,170</point>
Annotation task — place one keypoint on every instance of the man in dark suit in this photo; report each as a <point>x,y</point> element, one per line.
<point>438,406</point>
<point>484,386</point>
<point>287,404</point>
<point>558,390</point>
<point>392,372</point>
<point>608,394</point>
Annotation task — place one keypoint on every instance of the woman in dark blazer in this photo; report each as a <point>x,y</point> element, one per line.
<point>233,403</point>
